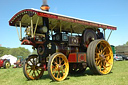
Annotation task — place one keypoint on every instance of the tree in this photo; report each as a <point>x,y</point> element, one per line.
<point>21,51</point>
<point>126,44</point>
<point>4,51</point>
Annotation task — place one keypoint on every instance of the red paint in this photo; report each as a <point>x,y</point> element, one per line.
<point>44,67</point>
<point>53,16</point>
<point>81,57</point>
<point>27,42</point>
<point>47,15</point>
<point>72,57</point>
<point>1,63</point>
<point>77,57</point>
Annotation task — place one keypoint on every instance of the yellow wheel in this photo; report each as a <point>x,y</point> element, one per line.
<point>6,64</point>
<point>32,68</point>
<point>58,67</point>
<point>100,57</point>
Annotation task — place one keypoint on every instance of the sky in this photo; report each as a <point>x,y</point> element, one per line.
<point>112,12</point>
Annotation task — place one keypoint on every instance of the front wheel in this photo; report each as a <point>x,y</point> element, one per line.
<point>58,67</point>
<point>100,57</point>
<point>32,68</point>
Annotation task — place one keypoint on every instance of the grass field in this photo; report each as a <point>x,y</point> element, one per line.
<point>118,76</point>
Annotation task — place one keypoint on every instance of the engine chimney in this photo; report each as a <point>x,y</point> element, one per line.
<point>45,7</point>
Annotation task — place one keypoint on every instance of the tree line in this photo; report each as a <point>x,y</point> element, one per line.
<point>126,44</point>
<point>20,51</point>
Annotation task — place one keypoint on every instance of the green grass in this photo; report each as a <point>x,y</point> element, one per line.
<point>118,76</point>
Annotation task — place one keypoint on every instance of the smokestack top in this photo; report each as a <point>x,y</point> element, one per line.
<point>45,7</point>
<point>44,2</point>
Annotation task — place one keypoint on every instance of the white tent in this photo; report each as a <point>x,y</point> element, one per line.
<point>12,58</point>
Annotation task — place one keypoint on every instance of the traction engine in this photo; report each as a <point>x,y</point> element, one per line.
<point>64,44</point>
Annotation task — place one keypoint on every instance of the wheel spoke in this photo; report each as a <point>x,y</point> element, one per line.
<point>31,61</point>
<point>104,49</point>
<point>63,64</point>
<point>101,64</point>
<point>54,70</point>
<point>108,62</point>
<point>97,55</point>
<point>30,71</point>
<point>97,59</point>
<point>37,61</point>
<point>56,60</point>
<point>98,62</point>
<point>59,60</point>
<point>37,72</point>
<point>100,68</point>
<point>29,65</point>
<point>97,50</point>
<point>107,55</point>
<point>58,74</point>
<point>34,73</point>
<point>28,68</point>
<point>53,66</point>
<point>100,48</point>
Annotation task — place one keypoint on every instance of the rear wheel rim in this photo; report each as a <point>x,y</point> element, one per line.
<point>100,57</point>
<point>7,65</point>
<point>32,68</point>
<point>103,57</point>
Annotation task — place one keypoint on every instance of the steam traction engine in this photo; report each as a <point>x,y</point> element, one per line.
<point>64,44</point>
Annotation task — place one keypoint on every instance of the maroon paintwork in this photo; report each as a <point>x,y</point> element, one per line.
<point>1,62</point>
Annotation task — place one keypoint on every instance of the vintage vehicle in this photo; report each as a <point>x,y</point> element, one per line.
<point>64,44</point>
<point>125,57</point>
<point>19,62</point>
<point>118,57</point>
<point>5,63</point>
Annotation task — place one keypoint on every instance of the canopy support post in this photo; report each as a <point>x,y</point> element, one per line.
<point>52,29</point>
<point>71,30</point>
<point>104,34</point>
<point>60,27</point>
<point>17,31</point>
<point>32,27</point>
<point>20,31</point>
<point>36,25</point>
<point>109,35</point>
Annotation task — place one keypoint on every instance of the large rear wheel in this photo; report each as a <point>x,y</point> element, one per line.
<point>58,67</point>
<point>100,57</point>
<point>32,68</point>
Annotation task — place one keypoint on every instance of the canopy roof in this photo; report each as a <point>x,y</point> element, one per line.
<point>55,21</point>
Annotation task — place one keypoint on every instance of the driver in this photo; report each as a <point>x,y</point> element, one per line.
<point>99,34</point>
